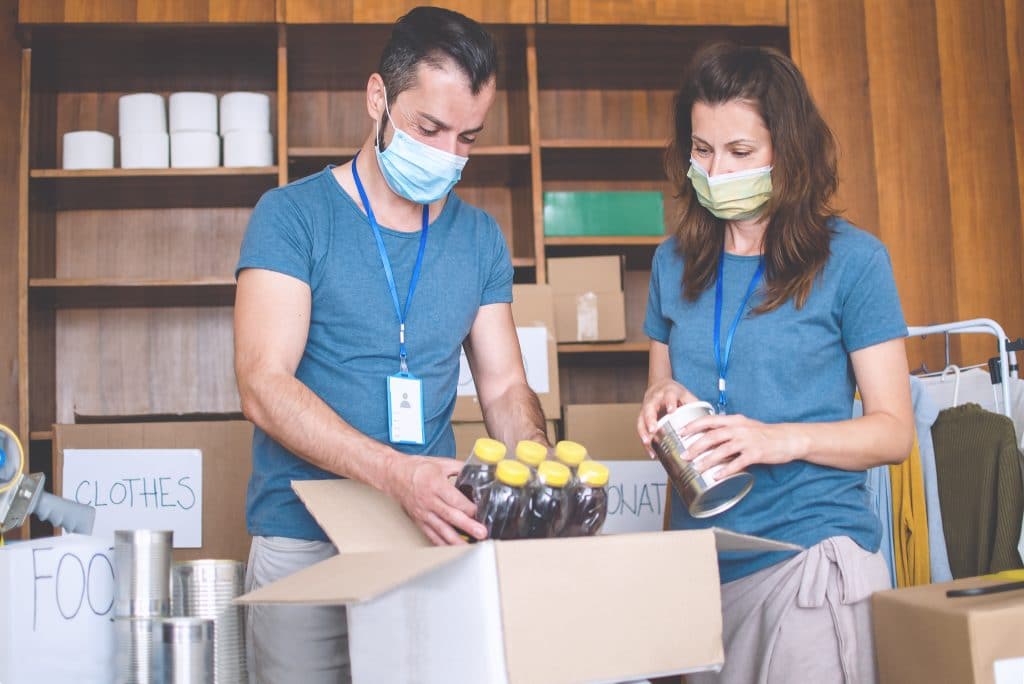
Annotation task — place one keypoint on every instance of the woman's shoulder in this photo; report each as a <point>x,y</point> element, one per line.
<point>848,239</point>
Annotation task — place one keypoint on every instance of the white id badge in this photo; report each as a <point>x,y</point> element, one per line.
<point>405,409</point>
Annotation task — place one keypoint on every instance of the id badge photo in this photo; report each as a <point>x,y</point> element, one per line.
<point>405,409</point>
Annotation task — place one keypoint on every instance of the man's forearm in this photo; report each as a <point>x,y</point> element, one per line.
<point>516,415</point>
<point>291,413</point>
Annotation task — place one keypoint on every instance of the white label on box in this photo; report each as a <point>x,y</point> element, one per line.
<point>1009,671</point>
<point>58,600</point>
<point>637,496</point>
<point>139,489</point>
<point>534,344</point>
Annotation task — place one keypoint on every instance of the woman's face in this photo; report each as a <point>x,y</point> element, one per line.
<point>728,137</point>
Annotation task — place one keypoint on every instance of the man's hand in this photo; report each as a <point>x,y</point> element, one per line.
<point>422,485</point>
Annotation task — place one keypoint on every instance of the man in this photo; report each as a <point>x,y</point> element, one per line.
<point>357,288</point>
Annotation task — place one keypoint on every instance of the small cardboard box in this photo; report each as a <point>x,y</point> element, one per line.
<point>590,305</point>
<point>922,636</point>
<point>492,612</point>
<point>532,309</point>
<point>638,493</point>
<point>466,435</point>
<point>56,610</point>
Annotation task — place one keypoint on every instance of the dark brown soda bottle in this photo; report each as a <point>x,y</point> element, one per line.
<point>588,500</point>
<point>501,504</point>
<point>547,504</point>
<point>478,472</point>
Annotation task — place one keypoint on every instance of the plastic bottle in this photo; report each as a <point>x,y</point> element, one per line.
<point>547,504</point>
<point>571,454</point>
<point>502,502</point>
<point>531,454</point>
<point>479,469</point>
<point>588,500</point>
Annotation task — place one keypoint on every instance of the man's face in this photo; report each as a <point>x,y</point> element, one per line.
<point>439,110</point>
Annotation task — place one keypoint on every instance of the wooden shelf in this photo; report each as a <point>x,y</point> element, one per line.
<point>41,435</point>
<point>602,347</point>
<point>524,262</point>
<point>71,174</point>
<point>605,240</point>
<point>599,144</point>
<point>349,152</point>
<point>106,292</point>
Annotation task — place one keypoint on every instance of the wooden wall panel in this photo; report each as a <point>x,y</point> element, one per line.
<point>316,11</point>
<point>910,162</point>
<point>486,11</point>
<point>828,43</point>
<point>10,136</point>
<point>981,158</point>
<point>1015,58</point>
<point>145,11</point>
<point>709,12</point>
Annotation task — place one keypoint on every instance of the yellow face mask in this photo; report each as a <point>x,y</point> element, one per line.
<point>732,196</point>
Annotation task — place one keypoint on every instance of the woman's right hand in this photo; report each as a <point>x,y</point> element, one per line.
<point>661,398</point>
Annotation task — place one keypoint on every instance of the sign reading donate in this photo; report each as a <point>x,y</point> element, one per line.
<point>637,496</point>
<point>139,489</point>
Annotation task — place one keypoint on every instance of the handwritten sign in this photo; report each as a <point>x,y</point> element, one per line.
<point>139,489</point>
<point>58,601</point>
<point>533,341</point>
<point>637,496</point>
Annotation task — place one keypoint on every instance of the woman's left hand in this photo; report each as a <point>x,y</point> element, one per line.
<point>738,442</point>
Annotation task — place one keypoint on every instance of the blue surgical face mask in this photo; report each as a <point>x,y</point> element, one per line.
<point>414,170</point>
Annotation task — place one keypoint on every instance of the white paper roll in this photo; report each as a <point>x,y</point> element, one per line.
<point>145,151</point>
<point>193,149</point>
<point>248,148</point>
<point>141,113</point>
<point>193,112</point>
<point>244,112</point>
<point>88,150</point>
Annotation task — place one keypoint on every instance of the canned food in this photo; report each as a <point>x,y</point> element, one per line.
<point>704,493</point>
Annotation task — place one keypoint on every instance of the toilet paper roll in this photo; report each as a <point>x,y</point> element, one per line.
<point>193,149</point>
<point>244,112</point>
<point>145,151</point>
<point>248,148</point>
<point>141,113</point>
<point>193,112</point>
<point>87,150</point>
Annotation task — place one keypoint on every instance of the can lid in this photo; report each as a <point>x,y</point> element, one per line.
<point>512,473</point>
<point>570,453</point>
<point>593,474</point>
<point>489,450</point>
<point>553,474</point>
<point>725,494</point>
<point>531,453</point>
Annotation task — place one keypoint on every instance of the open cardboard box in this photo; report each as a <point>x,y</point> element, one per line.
<point>588,609</point>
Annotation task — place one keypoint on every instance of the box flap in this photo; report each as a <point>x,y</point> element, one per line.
<point>357,517</point>
<point>652,601</point>
<point>727,540</point>
<point>572,275</point>
<point>354,577</point>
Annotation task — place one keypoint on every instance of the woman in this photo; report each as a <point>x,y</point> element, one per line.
<point>807,312</point>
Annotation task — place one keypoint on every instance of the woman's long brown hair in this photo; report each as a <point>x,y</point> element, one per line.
<point>796,242</point>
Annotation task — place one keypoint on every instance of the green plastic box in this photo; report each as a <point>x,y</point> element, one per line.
<point>576,214</point>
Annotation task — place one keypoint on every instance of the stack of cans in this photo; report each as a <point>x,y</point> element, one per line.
<point>207,589</point>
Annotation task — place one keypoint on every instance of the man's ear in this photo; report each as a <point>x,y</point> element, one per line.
<point>375,97</point>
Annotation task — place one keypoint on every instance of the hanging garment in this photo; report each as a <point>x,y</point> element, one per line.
<point>879,486</point>
<point>980,489</point>
<point>910,522</point>
<point>925,413</point>
<point>975,386</point>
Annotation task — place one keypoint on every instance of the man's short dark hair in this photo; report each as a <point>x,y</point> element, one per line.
<point>435,36</point>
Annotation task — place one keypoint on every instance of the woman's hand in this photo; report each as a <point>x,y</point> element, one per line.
<point>661,398</point>
<point>738,441</point>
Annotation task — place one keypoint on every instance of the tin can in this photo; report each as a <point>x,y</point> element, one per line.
<point>704,493</point>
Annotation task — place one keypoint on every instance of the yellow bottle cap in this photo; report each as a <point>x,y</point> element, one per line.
<point>570,453</point>
<point>553,474</point>
<point>531,453</point>
<point>489,450</point>
<point>593,474</point>
<point>512,473</point>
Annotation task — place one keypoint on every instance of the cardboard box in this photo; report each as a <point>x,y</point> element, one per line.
<point>606,212</point>
<point>55,612</point>
<point>532,308</point>
<point>923,636</point>
<point>521,612</point>
<point>466,435</point>
<point>590,305</point>
<point>227,463</point>
<point>638,492</point>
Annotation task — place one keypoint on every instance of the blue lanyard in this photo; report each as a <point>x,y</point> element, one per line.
<point>402,315</point>
<point>722,359</point>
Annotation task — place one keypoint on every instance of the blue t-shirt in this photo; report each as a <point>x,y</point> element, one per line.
<point>787,366</point>
<point>313,231</point>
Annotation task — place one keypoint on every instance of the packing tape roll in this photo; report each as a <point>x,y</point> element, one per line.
<point>248,148</point>
<point>242,111</point>
<point>586,317</point>
<point>195,149</point>
<point>141,113</point>
<point>193,112</point>
<point>145,151</point>
<point>87,150</point>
